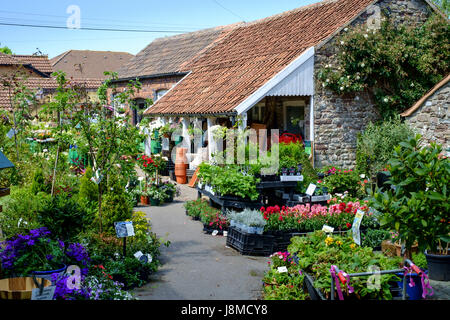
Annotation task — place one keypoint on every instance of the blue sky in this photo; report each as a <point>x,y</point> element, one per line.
<point>168,15</point>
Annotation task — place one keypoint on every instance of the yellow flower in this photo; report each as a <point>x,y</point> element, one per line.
<point>329,241</point>
<point>339,243</point>
<point>353,246</point>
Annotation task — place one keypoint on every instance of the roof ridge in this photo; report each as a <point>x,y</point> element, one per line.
<point>289,12</point>
<point>61,56</point>
<point>422,100</point>
<point>201,31</point>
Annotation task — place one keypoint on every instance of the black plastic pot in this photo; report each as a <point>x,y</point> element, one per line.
<point>438,267</point>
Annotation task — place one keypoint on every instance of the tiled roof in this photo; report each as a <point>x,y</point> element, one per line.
<point>40,63</point>
<point>8,60</point>
<point>419,103</point>
<point>48,84</point>
<point>253,54</point>
<point>88,64</point>
<point>32,83</point>
<point>170,54</point>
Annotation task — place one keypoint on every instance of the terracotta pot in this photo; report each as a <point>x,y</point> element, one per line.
<point>145,200</point>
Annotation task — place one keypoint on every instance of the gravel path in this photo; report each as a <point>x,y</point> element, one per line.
<point>197,266</point>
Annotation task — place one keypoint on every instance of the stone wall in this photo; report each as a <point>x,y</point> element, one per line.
<point>432,119</point>
<point>339,119</point>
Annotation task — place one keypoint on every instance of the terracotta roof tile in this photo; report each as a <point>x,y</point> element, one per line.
<point>251,55</point>
<point>8,60</point>
<point>40,63</point>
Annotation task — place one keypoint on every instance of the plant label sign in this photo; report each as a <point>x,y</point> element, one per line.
<point>282,270</point>
<point>124,229</point>
<point>47,293</point>
<point>356,225</point>
<point>11,133</point>
<point>311,189</point>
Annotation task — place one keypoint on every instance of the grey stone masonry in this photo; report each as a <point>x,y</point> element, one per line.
<point>339,119</point>
<point>432,119</point>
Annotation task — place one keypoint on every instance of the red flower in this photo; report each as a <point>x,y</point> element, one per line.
<point>349,225</point>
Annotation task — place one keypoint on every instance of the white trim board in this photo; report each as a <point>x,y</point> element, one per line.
<point>294,66</point>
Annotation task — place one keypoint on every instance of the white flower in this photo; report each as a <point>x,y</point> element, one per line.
<point>342,42</point>
<point>412,85</point>
<point>358,77</point>
<point>342,88</point>
<point>348,77</point>
<point>346,29</point>
<point>366,36</point>
<point>328,80</point>
<point>362,176</point>
<point>386,100</point>
<point>363,65</point>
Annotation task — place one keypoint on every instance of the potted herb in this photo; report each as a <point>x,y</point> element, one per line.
<point>417,204</point>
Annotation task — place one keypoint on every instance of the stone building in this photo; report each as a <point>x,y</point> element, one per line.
<point>430,116</point>
<point>265,73</point>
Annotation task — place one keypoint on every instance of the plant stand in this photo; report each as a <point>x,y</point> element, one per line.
<point>229,202</point>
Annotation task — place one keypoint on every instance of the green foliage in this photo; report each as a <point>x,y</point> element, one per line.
<point>374,237</point>
<point>339,181</point>
<point>116,207</point>
<point>418,207</point>
<point>293,154</point>
<point>63,216</point>
<point>376,144</point>
<point>444,5</point>
<point>317,252</point>
<point>398,64</point>
<point>39,183</point>
<point>20,212</point>
<point>88,189</point>
<point>229,181</point>
<point>6,50</point>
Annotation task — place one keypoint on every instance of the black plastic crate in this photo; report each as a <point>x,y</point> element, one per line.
<point>250,244</point>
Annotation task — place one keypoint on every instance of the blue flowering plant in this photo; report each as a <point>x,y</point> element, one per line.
<point>35,251</point>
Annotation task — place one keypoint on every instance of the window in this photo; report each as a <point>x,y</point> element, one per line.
<point>160,93</point>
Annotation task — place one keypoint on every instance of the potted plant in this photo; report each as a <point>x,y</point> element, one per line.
<point>417,204</point>
<point>156,195</point>
<point>34,253</point>
<point>171,191</point>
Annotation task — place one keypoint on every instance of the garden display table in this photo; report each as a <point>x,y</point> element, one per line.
<point>229,202</point>
<point>269,189</point>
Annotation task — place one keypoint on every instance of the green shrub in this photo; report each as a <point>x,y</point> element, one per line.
<point>88,189</point>
<point>63,216</point>
<point>116,206</point>
<point>376,145</point>
<point>39,183</point>
<point>20,210</point>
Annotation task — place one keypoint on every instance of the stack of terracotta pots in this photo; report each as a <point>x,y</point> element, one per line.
<point>181,166</point>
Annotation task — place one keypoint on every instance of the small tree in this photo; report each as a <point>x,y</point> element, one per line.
<point>109,137</point>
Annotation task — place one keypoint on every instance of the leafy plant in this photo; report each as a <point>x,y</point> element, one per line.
<point>417,205</point>
<point>318,251</point>
<point>397,64</point>
<point>376,143</point>
<point>63,216</point>
<point>116,207</point>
